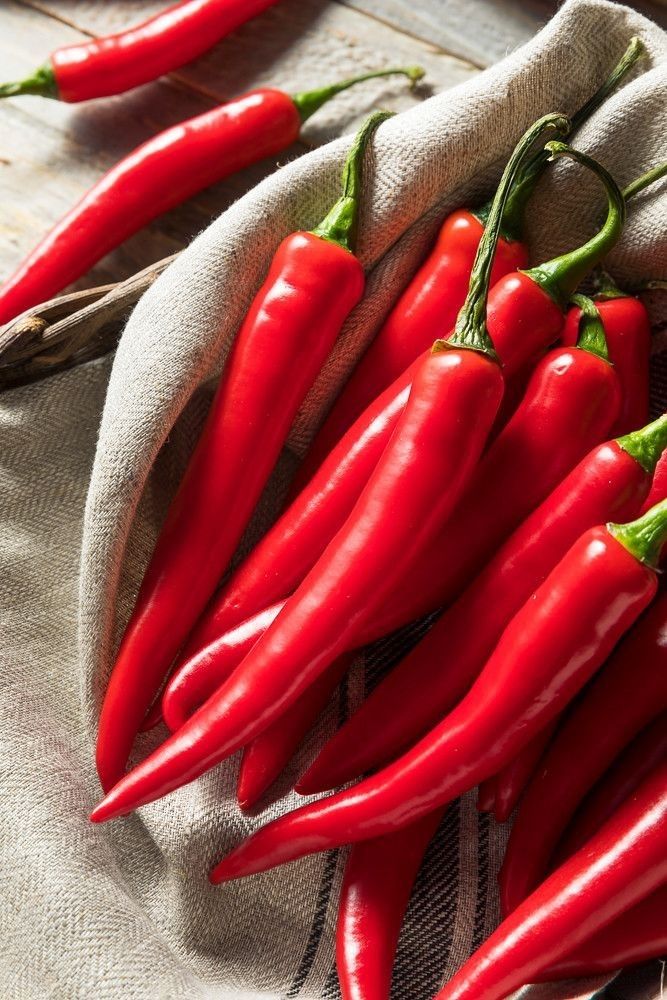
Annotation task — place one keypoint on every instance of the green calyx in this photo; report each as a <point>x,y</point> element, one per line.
<point>591,337</point>
<point>470,330</point>
<point>309,101</point>
<point>42,82</point>
<point>533,169</point>
<point>646,445</point>
<point>559,277</point>
<point>644,538</point>
<point>340,224</point>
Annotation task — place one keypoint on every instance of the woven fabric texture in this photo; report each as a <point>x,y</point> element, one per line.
<point>90,459</point>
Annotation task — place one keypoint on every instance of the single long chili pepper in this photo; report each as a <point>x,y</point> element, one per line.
<point>636,936</point>
<point>188,689</point>
<point>438,289</point>
<point>265,757</point>
<point>423,471</point>
<point>628,332</point>
<point>523,317</point>
<point>609,483</point>
<point>313,283</point>
<point>550,649</point>
<point>627,695</point>
<point>115,63</point>
<point>164,171</point>
<point>623,864</point>
<point>377,884</point>
<point>511,782</point>
<point>628,771</point>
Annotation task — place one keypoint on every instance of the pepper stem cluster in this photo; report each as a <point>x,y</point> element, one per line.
<point>340,224</point>
<point>470,330</point>
<point>644,538</point>
<point>307,102</point>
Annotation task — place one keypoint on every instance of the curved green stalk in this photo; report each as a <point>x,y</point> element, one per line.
<point>644,538</point>
<point>470,330</point>
<point>309,101</point>
<point>340,224</point>
<point>559,277</point>
<point>42,82</point>
<point>650,177</point>
<point>647,444</point>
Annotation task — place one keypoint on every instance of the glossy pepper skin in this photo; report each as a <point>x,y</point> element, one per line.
<point>115,63</point>
<point>377,884</point>
<point>439,287</point>
<point>429,460</point>
<point>658,489</point>
<point>523,317</point>
<point>312,284</point>
<point>628,332</point>
<point>550,649</point>
<point>635,762</point>
<point>608,484</point>
<point>622,864</point>
<point>161,173</point>
<point>511,782</point>
<point>431,300</point>
<point>631,691</point>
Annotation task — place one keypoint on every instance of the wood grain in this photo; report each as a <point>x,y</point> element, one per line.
<point>58,151</point>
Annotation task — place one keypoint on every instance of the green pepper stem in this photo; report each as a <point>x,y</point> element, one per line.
<point>42,82</point>
<point>646,445</point>
<point>309,101</point>
<point>644,538</point>
<point>591,337</point>
<point>470,330</point>
<point>532,170</point>
<point>650,177</point>
<point>340,224</point>
<point>559,277</point>
<point>605,286</point>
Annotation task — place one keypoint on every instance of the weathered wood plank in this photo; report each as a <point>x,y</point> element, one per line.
<point>57,151</point>
<point>480,30</point>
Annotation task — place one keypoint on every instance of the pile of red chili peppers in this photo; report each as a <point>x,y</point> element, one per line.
<point>490,462</point>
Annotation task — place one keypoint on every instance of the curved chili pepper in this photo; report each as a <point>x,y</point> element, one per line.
<point>631,691</point>
<point>628,771</point>
<point>438,289</point>
<point>423,471</point>
<point>518,302</point>
<point>511,781</point>
<point>609,483</point>
<point>623,864</point>
<point>313,283</point>
<point>377,884</point>
<point>628,332</point>
<point>115,63</point>
<point>161,173</point>
<point>550,649</point>
<point>265,757</point>
<point>636,936</point>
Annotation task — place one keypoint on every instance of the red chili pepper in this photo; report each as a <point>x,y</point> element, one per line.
<point>636,936</point>
<point>486,794</point>
<point>627,772</point>
<point>115,63</point>
<point>428,462</point>
<point>161,173</point>
<point>609,483</point>
<point>523,301</point>
<point>438,289</point>
<point>551,648</point>
<point>512,780</point>
<point>658,490</point>
<point>623,864</point>
<point>378,880</point>
<point>628,694</point>
<point>628,332</point>
<point>313,282</point>
<point>265,757</point>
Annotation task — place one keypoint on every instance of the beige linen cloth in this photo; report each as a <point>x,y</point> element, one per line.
<point>89,460</point>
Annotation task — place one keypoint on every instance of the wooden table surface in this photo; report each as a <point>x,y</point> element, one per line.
<point>50,153</point>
